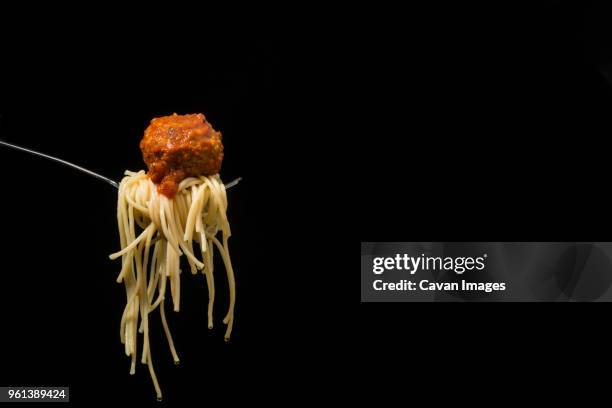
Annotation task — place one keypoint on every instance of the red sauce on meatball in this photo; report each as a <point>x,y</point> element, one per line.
<point>179,146</point>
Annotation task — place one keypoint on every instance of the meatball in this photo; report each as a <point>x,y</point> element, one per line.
<point>179,146</point>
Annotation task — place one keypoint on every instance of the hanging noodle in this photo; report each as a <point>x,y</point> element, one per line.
<point>150,261</point>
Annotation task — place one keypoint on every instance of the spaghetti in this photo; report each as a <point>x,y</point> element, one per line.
<point>150,258</point>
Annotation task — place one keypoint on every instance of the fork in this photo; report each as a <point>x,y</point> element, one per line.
<point>86,171</point>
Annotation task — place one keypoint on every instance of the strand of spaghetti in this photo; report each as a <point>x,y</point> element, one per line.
<point>210,282</point>
<point>167,331</point>
<point>172,228</point>
<point>142,287</point>
<point>130,293</point>
<point>121,213</point>
<point>215,195</point>
<point>133,244</point>
<point>129,279</point>
<point>153,277</point>
<point>188,195</point>
<point>171,280</point>
<point>229,318</point>
<point>193,268</point>
<point>164,223</point>
<point>143,190</point>
<point>131,227</point>
<point>124,234</point>
<point>138,299</point>
<point>171,221</point>
<point>194,211</point>
<point>122,322</point>
<point>224,190</point>
<point>177,229</point>
<point>212,208</point>
<point>133,316</point>
<point>203,240</point>
<point>220,208</point>
<point>137,296</point>
<point>162,277</point>
<point>125,326</point>
<point>147,246</point>
<point>144,307</point>
<point>221,198</point>
<point>128,274</point>
<point>211,254</point>
<point>199,223</point>
<point>145,322</point>
<point>185,210</point>
<point>131,236</point>
<point>133,173</point>
<point>136,205</point>
<point>151,283</point>
<point>170,270</point>
<point>135,190</point>
<point>162,289</point>
<point>188,182</point>
<point>169,260</point>
<point>192,196</point>
<point>225,225</point>
<point>177,285</point>
<point>182,209</point>
<point>127,265</point>
<point>177,236</point>
<point>128,325</point>
<point>153,376</point>
<point>125,323</point>
<point>140,221</point>
<point>159,275</point>
<point>146,192</point>
<point>122,326</point>
<point>154,210</point>
<point>133,332</point>
<point>176,298</point>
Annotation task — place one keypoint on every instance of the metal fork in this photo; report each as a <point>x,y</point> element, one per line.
<point>86,171</point>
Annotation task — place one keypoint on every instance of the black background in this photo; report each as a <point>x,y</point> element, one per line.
<point>489,123</point>
<point>455,122</point>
